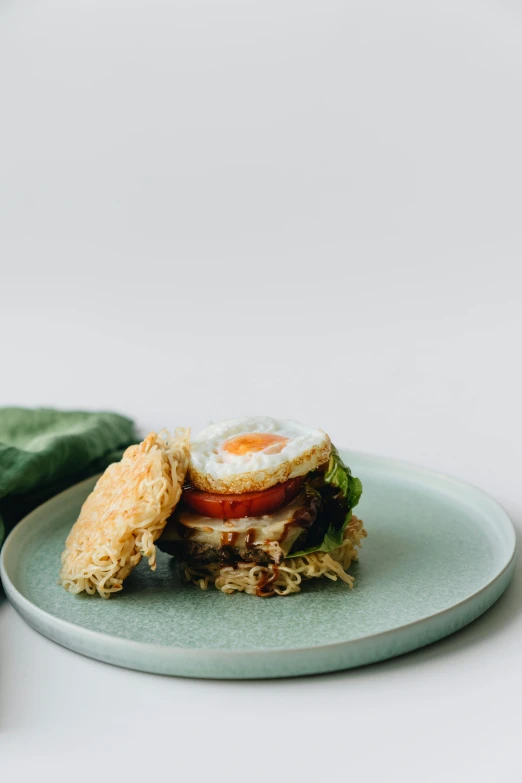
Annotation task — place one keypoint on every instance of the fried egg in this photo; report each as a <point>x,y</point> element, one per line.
<point>253,453</point>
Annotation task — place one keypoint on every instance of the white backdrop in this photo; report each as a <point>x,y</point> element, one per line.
<point>303,209</point>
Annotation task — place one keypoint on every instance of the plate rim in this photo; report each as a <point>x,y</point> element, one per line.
<point>18,600</point>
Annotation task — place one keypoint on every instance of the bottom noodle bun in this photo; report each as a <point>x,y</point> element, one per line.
<point>268,580</point>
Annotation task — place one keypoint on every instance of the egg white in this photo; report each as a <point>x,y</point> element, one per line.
<point>214,469</point>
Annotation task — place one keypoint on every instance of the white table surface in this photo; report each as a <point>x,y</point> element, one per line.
<point>304,209</point>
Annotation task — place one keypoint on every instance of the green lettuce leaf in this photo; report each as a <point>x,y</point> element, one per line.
<point>340,492</point>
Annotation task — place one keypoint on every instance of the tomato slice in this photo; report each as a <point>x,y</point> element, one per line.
<point>250,504</point>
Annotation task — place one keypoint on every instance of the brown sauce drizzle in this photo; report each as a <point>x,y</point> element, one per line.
<point>304,516</point>
<point>229,538</point>
<point>250,538</point>
<point>266,581</point>
<point>286,528</point>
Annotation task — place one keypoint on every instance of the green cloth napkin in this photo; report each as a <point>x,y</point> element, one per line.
<point>44,451</point>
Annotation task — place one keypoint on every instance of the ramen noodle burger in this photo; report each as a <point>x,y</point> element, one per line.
<point>267,504</point>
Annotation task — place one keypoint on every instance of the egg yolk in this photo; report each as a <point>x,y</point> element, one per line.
<point>254,441</point>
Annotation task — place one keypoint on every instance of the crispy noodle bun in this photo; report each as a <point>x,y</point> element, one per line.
<point>125,513</point>
<point>286,578</point>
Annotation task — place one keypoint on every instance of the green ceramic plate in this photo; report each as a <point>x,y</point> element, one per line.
<point>438,554</point>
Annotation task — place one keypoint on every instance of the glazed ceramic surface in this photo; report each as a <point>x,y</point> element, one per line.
<point>438,554</point>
